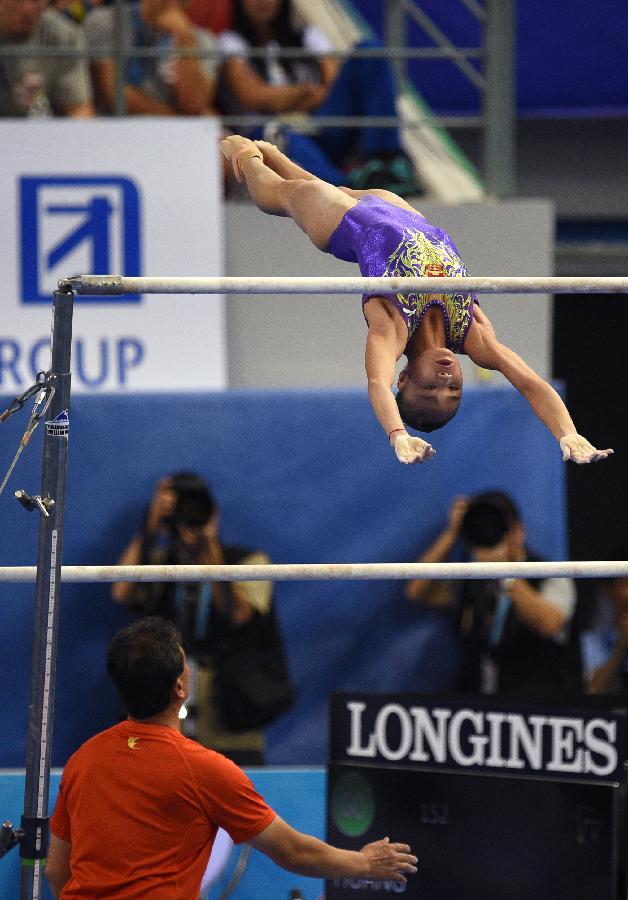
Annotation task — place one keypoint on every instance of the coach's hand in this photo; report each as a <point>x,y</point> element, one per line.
<point>579,450</point>
<point>388,861</point>
<point>411,449</point>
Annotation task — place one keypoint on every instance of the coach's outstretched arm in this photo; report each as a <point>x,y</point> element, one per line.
<point>307,855</point>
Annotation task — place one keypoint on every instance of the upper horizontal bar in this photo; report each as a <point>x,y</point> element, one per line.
<point>119,284</point>
<point>327,572</point>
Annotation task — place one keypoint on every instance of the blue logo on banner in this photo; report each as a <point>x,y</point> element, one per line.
<point>60,425</point>
<point>78,225</point>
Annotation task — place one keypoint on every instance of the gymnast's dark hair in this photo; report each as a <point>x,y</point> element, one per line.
<point>283,31</point>
<point>414,419</point>
<point>144,660</point>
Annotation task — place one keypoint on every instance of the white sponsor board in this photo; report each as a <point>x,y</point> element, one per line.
<point>132,197</point>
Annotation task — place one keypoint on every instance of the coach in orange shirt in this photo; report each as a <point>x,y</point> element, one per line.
<point>139,805</point>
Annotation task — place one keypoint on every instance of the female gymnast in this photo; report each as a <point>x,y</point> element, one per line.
<point>388,237</point>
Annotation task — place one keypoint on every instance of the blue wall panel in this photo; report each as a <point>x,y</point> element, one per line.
<point>307,476</point>
<point>571,58</point>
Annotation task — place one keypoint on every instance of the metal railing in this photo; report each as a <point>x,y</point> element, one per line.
<point>495,81</point>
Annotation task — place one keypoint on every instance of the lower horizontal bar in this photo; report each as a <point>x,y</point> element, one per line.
<point>119,284</point>
<point>327,572</point>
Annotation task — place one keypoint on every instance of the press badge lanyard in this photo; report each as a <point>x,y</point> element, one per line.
<point>489,678</point>
<point>202,603</point>
<point>499,621</point>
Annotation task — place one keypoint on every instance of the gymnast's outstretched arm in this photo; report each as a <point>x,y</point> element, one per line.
<point>483,348</point>
<point>380,361</point>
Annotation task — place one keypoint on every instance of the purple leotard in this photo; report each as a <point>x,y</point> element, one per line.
<point>384,239</point>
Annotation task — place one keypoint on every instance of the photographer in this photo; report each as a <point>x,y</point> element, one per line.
<point>240,680</point>
<point>605,646</point>
<point>516,635</point>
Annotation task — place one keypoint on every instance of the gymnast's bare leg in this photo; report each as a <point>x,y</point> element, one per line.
<point>282,188</point>
<point>316,206</point>
<point>282,165</point>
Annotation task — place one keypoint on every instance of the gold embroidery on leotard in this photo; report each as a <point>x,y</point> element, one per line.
<point>412,257</point>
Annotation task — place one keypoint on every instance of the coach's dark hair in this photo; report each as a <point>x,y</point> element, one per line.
<point>144,660</point>
<point>489,517</point>
<point>414,419</point>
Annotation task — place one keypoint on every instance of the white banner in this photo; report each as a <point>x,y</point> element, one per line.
<point>134,197</point>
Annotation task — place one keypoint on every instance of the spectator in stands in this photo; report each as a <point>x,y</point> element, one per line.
<point>166,85</point>
<point>605,647</point>
<point>212,15</point>
<point>40,86</point>
<point>74,10</point>
<point>240,680</point>
<point>516,635</point>
<point>139,805</point>
<point>318,85</point>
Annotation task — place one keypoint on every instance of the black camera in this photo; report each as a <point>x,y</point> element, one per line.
<point>489,517</point>
<point>195,504</point>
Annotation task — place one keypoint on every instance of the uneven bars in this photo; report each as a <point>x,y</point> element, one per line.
<point>118,284</point>
<point>327,571</point>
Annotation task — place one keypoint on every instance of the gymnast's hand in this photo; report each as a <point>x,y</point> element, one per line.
<point>388,861</point>
<point>411,449</point>
<point>579,450</point>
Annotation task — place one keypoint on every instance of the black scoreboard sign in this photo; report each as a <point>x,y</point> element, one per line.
<point>499,802</point>
<point>417,732</point>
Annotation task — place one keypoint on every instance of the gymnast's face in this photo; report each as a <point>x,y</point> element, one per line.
<point>432,385</point>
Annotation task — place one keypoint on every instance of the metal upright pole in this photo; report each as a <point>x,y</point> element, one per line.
<point>396,36</point>
<point>500,98</point>
<point>34,845</point>
<point>121,57</point>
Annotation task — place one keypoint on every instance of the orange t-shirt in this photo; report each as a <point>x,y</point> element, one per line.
<point>141,804</point>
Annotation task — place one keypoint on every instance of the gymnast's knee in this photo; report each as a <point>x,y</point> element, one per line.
<point>307,204</point>
<point>302,192</point>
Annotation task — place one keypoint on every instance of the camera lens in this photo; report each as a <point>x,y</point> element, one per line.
<point>193,508</point>
<point>488,519</point>
<point>195,504</point>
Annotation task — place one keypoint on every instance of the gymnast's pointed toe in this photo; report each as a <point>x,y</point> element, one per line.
<point>233,143</point>
<point>229,144</point>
